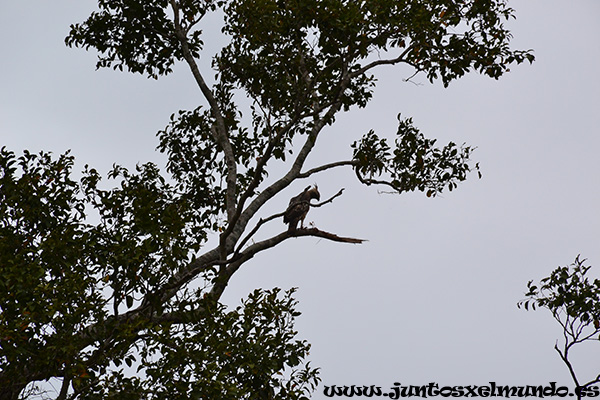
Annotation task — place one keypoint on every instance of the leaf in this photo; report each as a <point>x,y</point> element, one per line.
<point>129,360</point>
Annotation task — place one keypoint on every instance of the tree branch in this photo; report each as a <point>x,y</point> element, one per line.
<point>257,247</point>
<point>263,245</point>
<point>256,178</point>
<point>565,359</point>
<point>64,389</point>
<point>326,235</point>
<point>392,61</point>
<point>220,130</point>
<point>369,182</point>
<point>329,200</point>
<point>326,167</point>
<point>256,228</point>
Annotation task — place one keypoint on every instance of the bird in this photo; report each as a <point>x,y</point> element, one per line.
<point>299,206</point>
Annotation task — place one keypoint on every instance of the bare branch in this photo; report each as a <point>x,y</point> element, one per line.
<point>399,59</point>
<point>262,161</point>
<point>326,235</point>
<point>586,337</point>
<point>564,357</point>
<point>257,247</point>
<point>409,79</point>
<point>368,181</point>
<point>329,200</point>
<point>223,279</point>
<point>595,380</point>
<point>571,338</point>
<point>202,263</point>
<point>326,167</point>
<point>256,228</point>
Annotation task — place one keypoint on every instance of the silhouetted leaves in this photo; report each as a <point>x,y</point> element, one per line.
<point>567,292</point>
<point>414,164</point>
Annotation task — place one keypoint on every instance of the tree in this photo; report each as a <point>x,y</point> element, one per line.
<point>574,301</point>
<point>82,297</point>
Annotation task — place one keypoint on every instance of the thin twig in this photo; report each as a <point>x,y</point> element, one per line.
<point>329,200</point>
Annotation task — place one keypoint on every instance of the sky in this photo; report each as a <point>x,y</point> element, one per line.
<point>431,296</point>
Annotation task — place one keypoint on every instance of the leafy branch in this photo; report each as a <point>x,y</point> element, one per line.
<point>574,301</point>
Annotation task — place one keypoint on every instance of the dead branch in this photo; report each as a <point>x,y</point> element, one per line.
<point>256,228</point>
<point>325,235</point>
<point>329,200</point>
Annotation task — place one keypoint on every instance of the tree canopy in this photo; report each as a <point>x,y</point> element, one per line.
<point>114,291</point>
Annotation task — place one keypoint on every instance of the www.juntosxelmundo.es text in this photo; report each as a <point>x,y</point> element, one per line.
<point>433,390</point>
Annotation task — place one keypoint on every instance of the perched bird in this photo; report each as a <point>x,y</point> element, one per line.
<point>299,206</point>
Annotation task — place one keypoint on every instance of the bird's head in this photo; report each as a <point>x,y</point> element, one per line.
<point>314,193</point>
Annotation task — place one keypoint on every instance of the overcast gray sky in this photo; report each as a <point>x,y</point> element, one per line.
<point>431,296</point>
